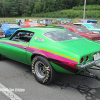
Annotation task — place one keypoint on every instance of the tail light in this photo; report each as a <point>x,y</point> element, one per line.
<point>72,65</point>
<point>87,58</point>
<point>1,33</point>
<point>82,59</point>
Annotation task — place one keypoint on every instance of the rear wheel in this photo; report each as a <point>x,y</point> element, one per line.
<point>42,70</point>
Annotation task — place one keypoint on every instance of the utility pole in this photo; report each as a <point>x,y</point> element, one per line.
<point>84,9</point>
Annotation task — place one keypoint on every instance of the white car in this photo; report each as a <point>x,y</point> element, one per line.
<point>95,28</point>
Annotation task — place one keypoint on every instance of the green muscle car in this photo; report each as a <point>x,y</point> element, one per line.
<point>49,50</point>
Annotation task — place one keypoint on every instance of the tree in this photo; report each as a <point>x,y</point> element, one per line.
<point>37,7</point>
<point>28,11</point>
<point>13,8</point>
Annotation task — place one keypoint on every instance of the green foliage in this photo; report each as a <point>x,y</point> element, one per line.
<point>27,11</point>
<point>69,14</point>
<point>48,8</point>
<point>88,7</point>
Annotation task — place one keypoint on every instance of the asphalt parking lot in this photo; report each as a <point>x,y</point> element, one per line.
<point>17,83</point>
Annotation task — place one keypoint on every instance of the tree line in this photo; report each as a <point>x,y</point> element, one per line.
<point>18,8</point>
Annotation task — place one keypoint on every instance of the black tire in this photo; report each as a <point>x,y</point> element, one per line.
<point>42,70</point>
<point>0,56</point>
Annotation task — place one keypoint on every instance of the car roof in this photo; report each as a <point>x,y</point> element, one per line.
<point>68,26</point>
<point>83,23</point>
<point>77,23</point>
<point>8,23</point>
<point>43,29</point>
<point>11,25</point>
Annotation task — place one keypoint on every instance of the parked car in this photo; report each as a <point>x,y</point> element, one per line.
<point>31,24</point>
<point>2,34</point>
<point>9,29</point>
<point>0,24</point>
<point>50,50</point>
<point>95,28</point>
<point>83,31</point>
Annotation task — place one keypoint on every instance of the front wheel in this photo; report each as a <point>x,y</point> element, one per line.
<point>42,70</point>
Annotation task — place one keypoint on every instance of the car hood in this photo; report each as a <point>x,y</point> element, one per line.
<point>81,46</point>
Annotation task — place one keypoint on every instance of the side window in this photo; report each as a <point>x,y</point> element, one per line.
<point>22,36</point>
<point>78,24</point>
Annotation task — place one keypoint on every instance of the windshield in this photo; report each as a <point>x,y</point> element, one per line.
<point>61,35</point>
<point>81,29</point>
<point>95,25</point>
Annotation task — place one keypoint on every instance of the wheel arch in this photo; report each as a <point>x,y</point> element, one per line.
<point>49,72</point>
<point>37,54</point>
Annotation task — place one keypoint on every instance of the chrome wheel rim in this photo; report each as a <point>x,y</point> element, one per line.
<point>40,69</point>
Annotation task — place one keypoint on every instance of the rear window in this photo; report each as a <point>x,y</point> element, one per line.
<point>61,35</point>
<point>81,29</point>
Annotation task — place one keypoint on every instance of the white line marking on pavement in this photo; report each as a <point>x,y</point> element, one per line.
<point>9,93</point>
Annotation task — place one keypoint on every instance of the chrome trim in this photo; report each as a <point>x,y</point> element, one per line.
<point>88,64</point>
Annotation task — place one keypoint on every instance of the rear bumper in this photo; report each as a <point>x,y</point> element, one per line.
<point>88,64</point>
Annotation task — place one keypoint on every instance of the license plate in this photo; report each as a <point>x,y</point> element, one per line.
<point>96,56</point>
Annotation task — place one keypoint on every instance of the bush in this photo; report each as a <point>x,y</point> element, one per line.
<point>88,7</point>
<point>72,13</point>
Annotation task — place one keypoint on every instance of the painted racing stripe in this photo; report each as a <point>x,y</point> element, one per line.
<point>21,46</point>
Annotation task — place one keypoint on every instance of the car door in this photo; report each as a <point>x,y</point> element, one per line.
<point>15,47</point>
